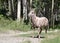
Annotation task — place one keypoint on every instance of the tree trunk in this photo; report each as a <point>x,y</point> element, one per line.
<point>13,14</point>
<point>5,4</point>
<point>18,10</point>
<point>13,5</point>
<point>9,3</point>
<point>24,10</point>
<point>30,4</point>
<point>52,16</point>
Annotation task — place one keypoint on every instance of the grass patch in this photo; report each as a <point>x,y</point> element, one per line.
<point>13,25</point>
<point>55,40</point>
<point>6,24</point>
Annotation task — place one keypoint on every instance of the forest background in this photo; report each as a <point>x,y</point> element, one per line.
<point>14,13</point>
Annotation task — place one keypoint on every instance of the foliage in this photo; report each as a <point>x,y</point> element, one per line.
<point>37,4</point>
<point>6,24</point>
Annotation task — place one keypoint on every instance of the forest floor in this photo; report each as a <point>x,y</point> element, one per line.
<point>12,36</point>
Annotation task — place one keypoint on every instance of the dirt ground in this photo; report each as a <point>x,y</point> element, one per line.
<point>8,37</point>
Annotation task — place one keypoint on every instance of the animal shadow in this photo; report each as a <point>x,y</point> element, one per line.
<point>37,36</point>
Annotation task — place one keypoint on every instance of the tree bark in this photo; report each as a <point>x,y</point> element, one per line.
<point>9,3</point>
<point>30,4</point>
<point>5,4</point>
<point>13,5</point>
<point>18,10</point>
<point>52,16</point>
<point>13,14</point>
<point>24,10</point>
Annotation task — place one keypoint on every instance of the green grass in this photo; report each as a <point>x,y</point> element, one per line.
<point>13,25</point>
<point>6,24</point>
<point>55,40</point>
